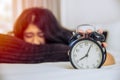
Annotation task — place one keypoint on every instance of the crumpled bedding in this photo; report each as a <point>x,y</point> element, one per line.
<point>57,71</point>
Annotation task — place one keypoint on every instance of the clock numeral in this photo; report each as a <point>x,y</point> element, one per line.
<point>93,65</point>
<point>99,55</point>
<point>98,61</point>
<point>74,55</point>
<point>77,50</point>
<point>81,46</point>
<point>86,43</point>
<point>81,64</point>
<point>97,49</point>
<point>87,66</point>
<point>77,61</point>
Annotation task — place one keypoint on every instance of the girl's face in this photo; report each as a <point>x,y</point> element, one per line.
<point>34,35</point>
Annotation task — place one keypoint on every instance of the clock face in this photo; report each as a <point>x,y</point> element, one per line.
<point>86,54</point>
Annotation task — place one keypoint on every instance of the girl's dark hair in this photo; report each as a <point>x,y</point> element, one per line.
<point>44,20</point>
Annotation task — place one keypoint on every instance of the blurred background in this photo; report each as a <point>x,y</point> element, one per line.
<point>70,13</point>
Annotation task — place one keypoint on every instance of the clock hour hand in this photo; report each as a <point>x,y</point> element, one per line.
<point>82,57</point>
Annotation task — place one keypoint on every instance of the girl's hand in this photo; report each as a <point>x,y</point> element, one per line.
<point>88,31</point>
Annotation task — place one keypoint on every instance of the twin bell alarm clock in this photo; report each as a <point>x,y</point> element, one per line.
<point>87,52</point>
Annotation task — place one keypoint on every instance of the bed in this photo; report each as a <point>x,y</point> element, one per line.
<point>64,70</point>
<point>59,71</point>
<point>56,71</point>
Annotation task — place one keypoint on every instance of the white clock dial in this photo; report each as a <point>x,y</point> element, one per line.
<point>86,54</point>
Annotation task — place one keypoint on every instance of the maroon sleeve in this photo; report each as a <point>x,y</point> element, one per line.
<point>14,50</point>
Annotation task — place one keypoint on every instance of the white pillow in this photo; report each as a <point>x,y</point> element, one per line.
<point>113,39</point>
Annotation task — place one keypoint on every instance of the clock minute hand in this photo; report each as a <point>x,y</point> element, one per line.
<point>88,51</point>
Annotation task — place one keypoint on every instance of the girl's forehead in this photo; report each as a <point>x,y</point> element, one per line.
<point>32,27</point>
<point>33,18</point>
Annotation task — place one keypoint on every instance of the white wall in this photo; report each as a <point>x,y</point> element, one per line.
<point>101,13</point>
<point>75,12</point>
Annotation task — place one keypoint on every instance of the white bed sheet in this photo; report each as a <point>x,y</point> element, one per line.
<point>57,71</point>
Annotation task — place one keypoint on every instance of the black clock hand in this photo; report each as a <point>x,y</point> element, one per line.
<point>88,51</point>
<point>82,57</point>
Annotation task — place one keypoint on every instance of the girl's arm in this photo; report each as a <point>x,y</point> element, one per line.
<point>14,50</point>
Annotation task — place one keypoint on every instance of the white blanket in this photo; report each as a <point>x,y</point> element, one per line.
<point>56,71</point>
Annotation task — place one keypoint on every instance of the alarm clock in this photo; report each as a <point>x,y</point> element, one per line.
<point>87,52</point>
